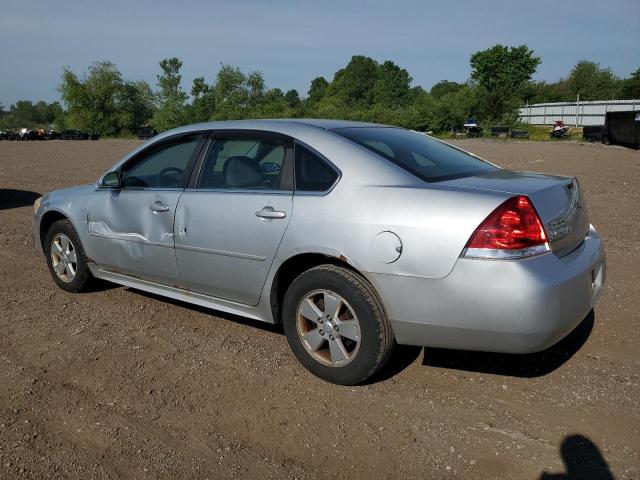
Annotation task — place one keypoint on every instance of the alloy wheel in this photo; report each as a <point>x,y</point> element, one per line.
<point>328,328</point>
<point>63,257</point>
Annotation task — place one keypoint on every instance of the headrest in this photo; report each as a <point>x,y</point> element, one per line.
<point>241,172</point>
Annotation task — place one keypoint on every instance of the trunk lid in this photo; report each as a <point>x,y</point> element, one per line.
<point>558,200</point>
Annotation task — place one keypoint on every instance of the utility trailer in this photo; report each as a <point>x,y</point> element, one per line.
<point>622,128</point>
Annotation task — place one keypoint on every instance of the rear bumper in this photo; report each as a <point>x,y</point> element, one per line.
<point>519,306</point>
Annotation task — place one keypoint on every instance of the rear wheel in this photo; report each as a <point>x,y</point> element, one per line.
<point>65,257</point>
<point>336,326</point>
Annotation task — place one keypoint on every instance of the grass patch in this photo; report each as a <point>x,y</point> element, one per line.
<point>537,133</point>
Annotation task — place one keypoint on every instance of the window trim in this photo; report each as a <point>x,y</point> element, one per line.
<point>287,163</point>
<point>329,163</point>
<point>156,146</point>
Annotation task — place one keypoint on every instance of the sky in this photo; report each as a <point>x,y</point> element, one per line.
<point>292,42</point>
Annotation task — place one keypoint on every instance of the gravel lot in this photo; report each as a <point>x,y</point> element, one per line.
<point>121,384</point>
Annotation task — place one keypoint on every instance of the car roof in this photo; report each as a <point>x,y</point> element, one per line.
<point>277,124</point>
<point>319,134</point>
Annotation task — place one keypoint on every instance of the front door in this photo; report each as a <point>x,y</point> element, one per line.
<point>131,228</point>
<point>229,226</point>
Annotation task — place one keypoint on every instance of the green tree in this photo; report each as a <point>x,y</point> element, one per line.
<point>25,113</point>
<point>592,82</point>
<point>136,102</point>
<point>92,103</point>
<point>631,86</point>
<point>171,110</point>
<point>203,103</point>
<point>231,93</point>
<point>317,90</point>
<point>501,73</point>
<point>102,102</point>
<point>352,86</point>
<point>443,87</point>
<point>392,85</point>
<point>293,99</point>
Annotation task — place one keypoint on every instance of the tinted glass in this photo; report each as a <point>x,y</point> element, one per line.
<point>165,167</point>
<point>242,163</point>
<point>313,174</point>
<point>425,157</point>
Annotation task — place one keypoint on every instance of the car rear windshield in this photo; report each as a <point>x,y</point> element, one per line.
<point>425,157</point>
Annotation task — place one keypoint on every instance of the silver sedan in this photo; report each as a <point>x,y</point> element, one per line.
<point>354,236</point>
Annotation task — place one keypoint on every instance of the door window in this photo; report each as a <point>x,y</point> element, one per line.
<point>243,163</point>
<point>164,167</point>
<point>313,173</point>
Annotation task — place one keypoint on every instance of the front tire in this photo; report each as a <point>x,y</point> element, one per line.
<point>336,326</point>
<point>65,257</point>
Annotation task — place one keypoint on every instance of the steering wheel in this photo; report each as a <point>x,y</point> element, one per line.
<point>173,176</point>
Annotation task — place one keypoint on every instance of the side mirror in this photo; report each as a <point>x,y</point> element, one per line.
<point>111,180</point>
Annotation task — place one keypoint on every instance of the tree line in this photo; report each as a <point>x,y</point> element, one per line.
<point>103,102</point>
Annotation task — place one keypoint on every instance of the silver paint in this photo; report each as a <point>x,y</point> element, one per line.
<point>211,249</point>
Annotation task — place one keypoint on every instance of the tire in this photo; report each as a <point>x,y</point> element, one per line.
<point>361,348</point>
<point>54,241</point>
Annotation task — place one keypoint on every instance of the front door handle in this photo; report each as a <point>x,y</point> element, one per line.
<point>159,207</point>
<point>270,213</point>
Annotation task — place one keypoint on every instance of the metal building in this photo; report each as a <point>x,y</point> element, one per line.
<point>577,114</point>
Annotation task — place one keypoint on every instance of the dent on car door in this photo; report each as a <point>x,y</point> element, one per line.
<point>228,228</point>
<point>131,228</point>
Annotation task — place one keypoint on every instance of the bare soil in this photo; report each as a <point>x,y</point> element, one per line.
<point>120,384</point>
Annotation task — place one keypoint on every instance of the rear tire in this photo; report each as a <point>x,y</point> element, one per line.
<point>336,325</point>
<point>65,257</point>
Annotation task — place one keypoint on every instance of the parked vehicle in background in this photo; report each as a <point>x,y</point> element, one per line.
<point>473,129</point>
<point>73,135</point>
<point>24,134</point>
<point>52,134</point>
<point>354,236</point>
<point>146,132</point>
<point>560,130</point>
<point>6,134</point>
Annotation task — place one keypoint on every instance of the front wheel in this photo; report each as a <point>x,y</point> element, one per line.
<point>65,257</point>
<point>336,326</point>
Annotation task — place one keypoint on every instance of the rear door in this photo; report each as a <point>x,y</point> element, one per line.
<point>231,219</point>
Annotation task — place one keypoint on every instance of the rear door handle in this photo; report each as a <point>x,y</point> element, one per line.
<point>159,207</point>
<point>270,213</point>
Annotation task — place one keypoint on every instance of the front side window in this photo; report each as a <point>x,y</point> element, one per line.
<point>243,163</point>
<point>313,173</point>
<point>425,157</point>
<point>164,167</point>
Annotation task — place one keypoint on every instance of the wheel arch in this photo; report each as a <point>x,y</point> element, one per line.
<point>48,219</point>
<point>293,266</point>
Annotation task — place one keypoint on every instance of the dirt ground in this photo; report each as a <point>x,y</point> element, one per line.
<point>120,384</point>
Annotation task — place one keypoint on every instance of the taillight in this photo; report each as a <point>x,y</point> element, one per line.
<point>513,230</point>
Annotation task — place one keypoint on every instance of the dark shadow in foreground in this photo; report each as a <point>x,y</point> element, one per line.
<point>401,358</point>
<point>99,285</point>
<point>526,366</point>
<point>582,460</point>
<point>10,198</point>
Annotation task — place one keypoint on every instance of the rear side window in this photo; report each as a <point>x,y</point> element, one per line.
<point>425,157</point>
<point>313,173</point>
<point>243,163</point>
